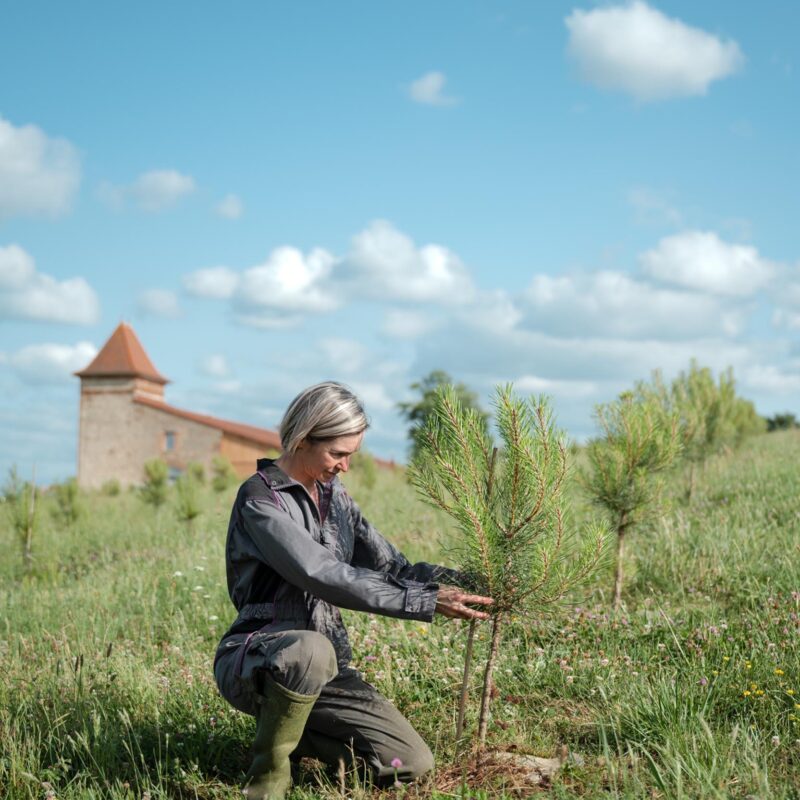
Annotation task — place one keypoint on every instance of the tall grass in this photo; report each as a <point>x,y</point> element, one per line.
<point>107,641</point>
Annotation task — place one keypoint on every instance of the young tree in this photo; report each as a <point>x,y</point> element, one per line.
<point>224,475</point>
<point>418,412</point>
<point>20,502</point>
<point>69,508</point>
<point>639,441</point>
<point>187,498</point>
<point>156,483</point>
<point>508,504</point>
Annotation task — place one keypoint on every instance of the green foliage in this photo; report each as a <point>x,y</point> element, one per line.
<point>638,442</point>
<point>365,468</point>
<point>782,422</point>
<point>509,506</point>
<point>418,412</point>
<point>111,488</point>
<point>627,462</point>
<point>197,472</point>
<point>68,507</point>
<point>223,474</point>
<point>21,506</point>
<point>187,498</point>
<point>156,483</point>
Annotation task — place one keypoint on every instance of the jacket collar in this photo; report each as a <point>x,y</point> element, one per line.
<point>278,479</point>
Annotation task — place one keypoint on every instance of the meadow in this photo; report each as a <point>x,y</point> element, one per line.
<point>692,690</point>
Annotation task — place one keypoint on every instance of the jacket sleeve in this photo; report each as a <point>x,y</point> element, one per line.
<point>289,549</point>
<point>373,551</point>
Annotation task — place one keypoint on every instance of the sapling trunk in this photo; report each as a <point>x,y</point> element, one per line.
<point>462,702</point>
<point>618,578</point>
<point>488,680</point>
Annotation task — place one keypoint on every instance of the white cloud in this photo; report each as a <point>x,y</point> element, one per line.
<point>612,304</point>
<point>153,191</point>
<point>161,188</point>
<point>50,363</point>
<point>385,264</point>
<point>38,174</point>
<point>638,49</point>
<point>429,90</point>
<point>532,384</point>
<point>702,261</point>
<point>28,294</point>
<point>230,207</point>
<point>287,285</point>
<point>772,379</point>
<point>406,324</point>
<point>159,303</point>
<point>215,366</point>
<point>216,283</point>
<point>346,356</point>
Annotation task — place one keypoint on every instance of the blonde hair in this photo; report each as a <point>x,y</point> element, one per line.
<point>323,411</point>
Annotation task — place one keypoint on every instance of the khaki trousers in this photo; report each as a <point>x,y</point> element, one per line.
<point>350,719</point>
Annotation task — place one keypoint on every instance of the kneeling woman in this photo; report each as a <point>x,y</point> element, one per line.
<point>298,549</point>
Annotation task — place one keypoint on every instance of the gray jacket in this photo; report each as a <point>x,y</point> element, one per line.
<point>291,565</point>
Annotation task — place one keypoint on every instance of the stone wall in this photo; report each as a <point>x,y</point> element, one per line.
<point>117,436</point>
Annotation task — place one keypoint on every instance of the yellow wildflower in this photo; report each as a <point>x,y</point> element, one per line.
<point>745,693</point>
<point>790,692</point>
<point>779,672</point>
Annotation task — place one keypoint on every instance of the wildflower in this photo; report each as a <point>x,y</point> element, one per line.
<point>703,681</point>
<point>604,662</point>
<point>200,569</point>
<point>213,618</point>
<point>778,671</point>
<point>776,740</point>
<point>746,693</point>
<point>197,589</point>
<point>748,665</point>
<point>759,692</point>
<point>177,574</point>
<point>790,692</point>
<point>396,763</point>
<point>726,658</point>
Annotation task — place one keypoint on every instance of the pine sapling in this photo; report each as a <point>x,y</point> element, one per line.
<point>639,441</point>
<point>508,504</point>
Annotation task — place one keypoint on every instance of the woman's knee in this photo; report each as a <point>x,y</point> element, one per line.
<point>306,663</point>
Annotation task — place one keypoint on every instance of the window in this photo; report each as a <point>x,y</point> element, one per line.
<point>169,441</point>
<point>174,474</point>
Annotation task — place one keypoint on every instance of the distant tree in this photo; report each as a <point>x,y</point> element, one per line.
<point>187,498</point>
<point>223,475</point>
<point>782,422</point>
<point>197,472</point>
<point>68,508</point>
<point>111,488</point>
<point>638,442</point>
<point>711,417</point>
<point>20,501</point>
<point>156,483</point>
<point>419,411</point>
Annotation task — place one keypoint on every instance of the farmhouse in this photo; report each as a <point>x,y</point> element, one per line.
<point>125,422</point>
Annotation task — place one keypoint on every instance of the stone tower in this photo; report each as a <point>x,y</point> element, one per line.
<point>109,441</point>
<point>125,422</point>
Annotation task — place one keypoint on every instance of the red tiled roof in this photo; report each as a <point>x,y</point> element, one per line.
<point>260,436</point>
<point>123,356</point>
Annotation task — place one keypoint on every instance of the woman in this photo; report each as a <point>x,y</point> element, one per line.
<point>298,549</point>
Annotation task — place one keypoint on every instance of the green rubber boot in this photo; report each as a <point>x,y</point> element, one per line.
<point>281,719</point>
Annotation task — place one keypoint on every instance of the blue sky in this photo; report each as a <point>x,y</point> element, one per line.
<point>563,195</point>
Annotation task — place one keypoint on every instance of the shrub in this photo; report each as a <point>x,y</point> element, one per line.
<point>156,483</point>
<point>224,476</point>
<point>69,508</point>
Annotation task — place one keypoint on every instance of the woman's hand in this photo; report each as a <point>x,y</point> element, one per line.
<point>451,602</point>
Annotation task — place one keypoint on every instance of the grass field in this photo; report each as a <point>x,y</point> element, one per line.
<point>693,691</point>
